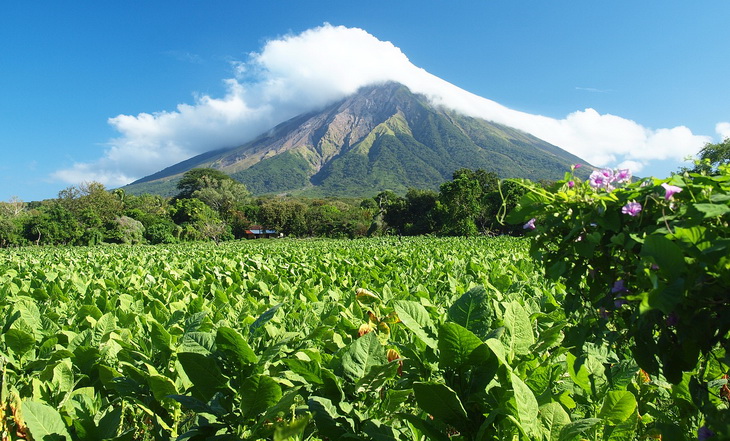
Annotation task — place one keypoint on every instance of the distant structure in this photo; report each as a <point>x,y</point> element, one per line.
<point>259,232</point>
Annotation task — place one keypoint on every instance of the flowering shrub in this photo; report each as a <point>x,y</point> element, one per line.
<point>647,267</point>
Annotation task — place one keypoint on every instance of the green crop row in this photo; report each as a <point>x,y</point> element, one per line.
<point>377,339</point>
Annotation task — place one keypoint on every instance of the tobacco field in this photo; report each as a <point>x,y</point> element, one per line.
<point>373,339</point>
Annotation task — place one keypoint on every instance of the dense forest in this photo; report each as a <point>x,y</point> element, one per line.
<point>210,205</point>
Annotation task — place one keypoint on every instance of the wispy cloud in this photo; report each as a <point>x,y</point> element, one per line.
<point>184,56</point>
<point>592,89</point>
<point>298,73</point>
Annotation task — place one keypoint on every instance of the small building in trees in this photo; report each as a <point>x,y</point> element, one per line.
<point>259,232</point>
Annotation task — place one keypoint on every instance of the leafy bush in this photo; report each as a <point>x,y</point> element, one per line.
<point>647,265</point>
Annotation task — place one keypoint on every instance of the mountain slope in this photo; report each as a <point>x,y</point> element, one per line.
<point>382,137</point>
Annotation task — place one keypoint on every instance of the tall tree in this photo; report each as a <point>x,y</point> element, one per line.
<point>420,212</point>
<point>222,196</point>
<point>713,155</point>
<point>197,179</point>
<point>13,207</point>
<point>465,202</point>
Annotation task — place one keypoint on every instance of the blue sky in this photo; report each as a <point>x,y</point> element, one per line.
<point>112,91</point>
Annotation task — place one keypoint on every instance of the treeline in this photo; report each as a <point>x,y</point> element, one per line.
<point>212,206</point>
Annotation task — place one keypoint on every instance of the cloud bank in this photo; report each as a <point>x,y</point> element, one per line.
<point>298,73</point>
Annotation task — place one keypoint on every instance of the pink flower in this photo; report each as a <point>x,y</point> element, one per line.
<point>633,208</point>
<point>577,166</point>
<point>571,184</point>
<point>670,190</point>
<point>597,180</point>
<point>530,225</point>
<point>623,175</point>
<point>602,179</point>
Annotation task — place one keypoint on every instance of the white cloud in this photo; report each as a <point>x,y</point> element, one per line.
<point>723,129</point>
<point>634,166</point>
<point>298,73</point>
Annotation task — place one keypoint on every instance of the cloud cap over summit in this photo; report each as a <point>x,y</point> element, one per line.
<point>298,73</point>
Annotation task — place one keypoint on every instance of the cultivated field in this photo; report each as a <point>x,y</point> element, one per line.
<point>383,339</point>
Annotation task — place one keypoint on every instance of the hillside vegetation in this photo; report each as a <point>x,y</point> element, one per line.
<point>382,138</point>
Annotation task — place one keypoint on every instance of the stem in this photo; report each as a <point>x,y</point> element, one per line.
<point>664,216</point>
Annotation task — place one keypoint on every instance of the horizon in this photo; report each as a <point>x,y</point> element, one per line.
<point>76,113</point>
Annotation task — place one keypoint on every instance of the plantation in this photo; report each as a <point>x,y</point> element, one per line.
<point>384,339</point>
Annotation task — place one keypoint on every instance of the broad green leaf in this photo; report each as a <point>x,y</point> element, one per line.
<point>332,386</point>
<point>578,372</point>
<point>519,329</point>
<point>618,406</point>
<point>415,317</point>
<point>377,376</point>
<point>694,235</point>
<point>442,402</point>
<point>473,311</point>
<point>264,318</point>
<point>44,422</point>
<point>329,422</point>
<point>527,408</point>
<point>712,210</point>
<point>456,345</point>
<point>198,342</point>
<point>258,393</point>
<point>160,337</point>
<point>362,354</point>
<point>110,423</point>
<point>625,430</point>
<point>20,342</point>
<point>106,324</point>
<point>425,427</point>
<point>203,372</point>
<point>622,373</point>
<point>556,270</point>
<point>233,344</point>
<point>378,431</point>
<point>63,376</point>
<point>81,339</point>
<point>308,370</point>
<point>28,313</point>
<point>394,398</point>
<point>192,323</point>
<point>107,374</point>
<point>161,386</point>
<point>665,297</point>
<point>576,429</point>
<point>553,418</point>
<point>667,255</point>
<point>720,197</point>
<point>88,310</point>
<point>366,297</point>
<point>549,338</point>
<point>85,358</point>
<point>284,407</point>
<point>497,348</point>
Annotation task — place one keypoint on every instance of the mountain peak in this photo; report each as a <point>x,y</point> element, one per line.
<point>383,137</point>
